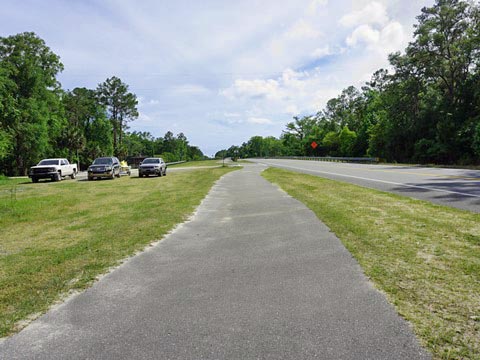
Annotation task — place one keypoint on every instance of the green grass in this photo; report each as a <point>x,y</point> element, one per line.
<point>57,237</point>
<point>214,162</point>
<point>424,257</point>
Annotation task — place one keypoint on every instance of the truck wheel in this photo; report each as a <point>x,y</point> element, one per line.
<point>118,173</point>
<point>165,172</point>
<point>34,179</point>
<point>74,174</point>
<point>57,177</point>
<point>160,173</point>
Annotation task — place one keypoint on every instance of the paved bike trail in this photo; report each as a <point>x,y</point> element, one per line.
<point>253,275</point>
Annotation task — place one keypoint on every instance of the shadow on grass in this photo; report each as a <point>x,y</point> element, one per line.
<point>146,177</point>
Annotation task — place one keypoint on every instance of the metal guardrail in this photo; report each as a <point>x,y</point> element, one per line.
<point>329,159</point>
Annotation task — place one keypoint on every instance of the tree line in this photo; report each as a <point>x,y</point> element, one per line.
<point>426,109</point>
<point>38,119</point>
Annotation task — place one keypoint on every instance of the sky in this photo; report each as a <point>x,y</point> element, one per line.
<point>219,71</point>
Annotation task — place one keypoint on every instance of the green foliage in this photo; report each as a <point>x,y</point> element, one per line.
<point>194,153</point>
<point>139,144</point>
<point>257,146</point>
<point>332,143</point>
<point>168,157</point>
<point>32,116</point>
<point>346,140</point>
<point>88,133</point>
<point>272,146</point>
<point>300,134</point>
<point>121,107</point>
<point>476,140</point>
<point>6,108</point>
<point>291,144</point>
<point>99,139</point>
<point>5,143</point>
<point>171,148</point>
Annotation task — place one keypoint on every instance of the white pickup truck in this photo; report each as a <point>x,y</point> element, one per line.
<point>53,169</point>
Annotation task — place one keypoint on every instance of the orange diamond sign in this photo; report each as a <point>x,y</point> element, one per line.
<point>314,145</point>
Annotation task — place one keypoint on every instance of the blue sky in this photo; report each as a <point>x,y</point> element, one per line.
<point>219,71</point>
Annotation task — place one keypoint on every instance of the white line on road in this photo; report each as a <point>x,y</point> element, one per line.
<point>380,181</point>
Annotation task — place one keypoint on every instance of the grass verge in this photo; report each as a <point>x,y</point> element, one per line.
<point>214,162</point>
<point>424,257</point>
<point>57,237</point>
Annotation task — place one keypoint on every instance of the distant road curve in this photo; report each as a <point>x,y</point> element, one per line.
<point>459,188</point>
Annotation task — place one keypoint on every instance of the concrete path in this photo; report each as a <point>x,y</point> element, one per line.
<point>254,275</point>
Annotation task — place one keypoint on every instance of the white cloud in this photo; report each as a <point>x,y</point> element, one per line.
<point>291,93</point>
<point>259,121</point>
<point>315,5</point>
<point>372,13</point>
<point>322,52</point>
<point>230,121</point>
<point>231,115</point>
<point>393,37</point>
<point>299,38</point>
<point>293,79</point>
<point>144,118</point>
<point>252,88</point>
<point>383,41</point>
<point>146,103</point>
<point>289,84</point>
<point>363,34</point>
<point>292,109</point>
<point>190,89</point>
<point>302,30</point>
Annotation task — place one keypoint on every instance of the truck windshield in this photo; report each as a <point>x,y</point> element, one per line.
<point>151,161</point>
<point>103,161</point>
<point>48,162</point>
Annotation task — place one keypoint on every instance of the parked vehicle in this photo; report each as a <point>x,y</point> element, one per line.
<point>104,167</point>
<point>53,169</point>
<point>152,166</point>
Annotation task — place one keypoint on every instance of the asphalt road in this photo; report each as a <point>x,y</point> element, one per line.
<point>253,275</point>
<point>459,188</point>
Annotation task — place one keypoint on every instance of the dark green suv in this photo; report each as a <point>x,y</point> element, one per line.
<point>104,167</point>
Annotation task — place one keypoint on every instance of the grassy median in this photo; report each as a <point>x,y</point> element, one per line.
<point>200,163</point>
<point>57,237</point>
<point>424,257</point>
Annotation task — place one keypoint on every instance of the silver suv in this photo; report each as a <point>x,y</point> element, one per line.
<point>152,166</point>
